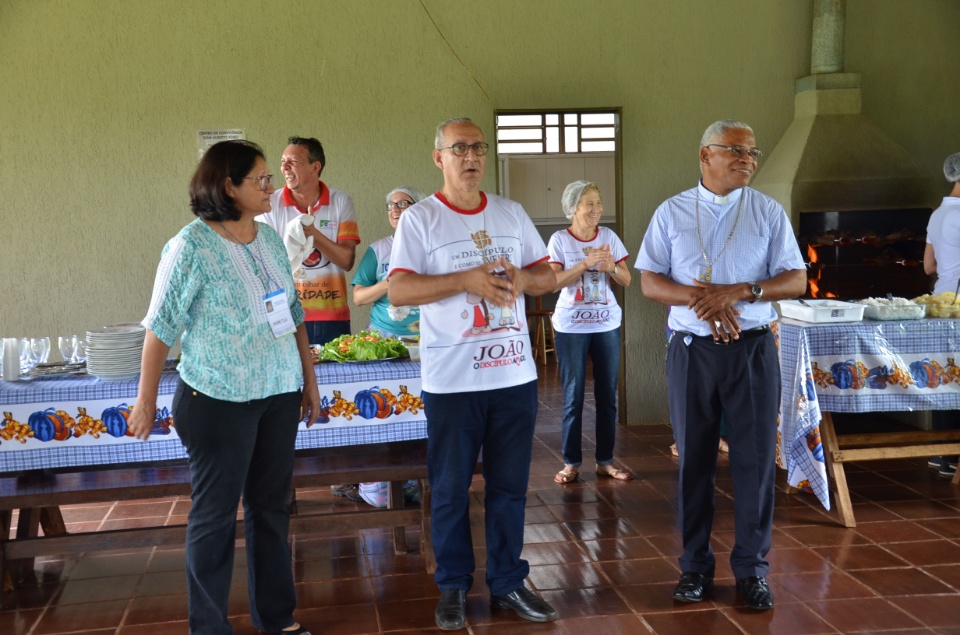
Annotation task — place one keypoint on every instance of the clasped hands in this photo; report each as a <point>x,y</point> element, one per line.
<point>499,283</point>
<point>713,303</point>
<point>600,258</point>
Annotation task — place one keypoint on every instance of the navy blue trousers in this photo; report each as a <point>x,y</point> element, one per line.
<point>321,332</point>
<point>704,381</point>
<point>238,448</point>
<point>572,352</point>
<point>498,423</point>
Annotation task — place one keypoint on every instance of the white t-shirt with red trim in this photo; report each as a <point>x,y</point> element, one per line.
<point>323,288</point>
<point>465,344</point>
<point>587,305</point>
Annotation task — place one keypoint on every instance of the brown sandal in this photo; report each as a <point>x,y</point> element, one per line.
<point>566,475</point>
<point>615,473</point>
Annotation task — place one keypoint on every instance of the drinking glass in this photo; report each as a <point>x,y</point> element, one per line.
<point>26,355</point>
<point>81,350</point>
<point>68,347</point>
<point>41,349</point>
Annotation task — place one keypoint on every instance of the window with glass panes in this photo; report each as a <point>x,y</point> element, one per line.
<point>556,132</point>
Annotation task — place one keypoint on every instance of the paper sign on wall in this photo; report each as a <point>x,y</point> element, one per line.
<point>206,138</point>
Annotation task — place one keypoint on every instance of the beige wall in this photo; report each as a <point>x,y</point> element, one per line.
<point>102,100</point>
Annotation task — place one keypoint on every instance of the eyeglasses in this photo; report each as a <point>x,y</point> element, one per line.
<point>461,149</point>
<point>739,151</point>
<point>401,205</point>
<point>264,181</point>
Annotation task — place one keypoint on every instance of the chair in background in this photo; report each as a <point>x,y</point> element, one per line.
<point>541,330</point>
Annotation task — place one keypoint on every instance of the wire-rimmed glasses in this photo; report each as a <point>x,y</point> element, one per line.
<point>739,151</point>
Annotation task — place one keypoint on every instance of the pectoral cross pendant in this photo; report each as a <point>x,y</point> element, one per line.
<point>707,274</point>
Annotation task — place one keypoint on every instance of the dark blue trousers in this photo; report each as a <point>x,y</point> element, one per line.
<point>499,423</point>
<point>572,352</point>
<point>321,332</point>
<point>238,448</point>
<point>704,381</point>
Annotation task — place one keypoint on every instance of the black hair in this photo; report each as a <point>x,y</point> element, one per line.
<point>208,187</point>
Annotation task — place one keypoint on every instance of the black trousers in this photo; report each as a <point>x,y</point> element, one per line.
<point>741,380</point>
<point>238,449</point>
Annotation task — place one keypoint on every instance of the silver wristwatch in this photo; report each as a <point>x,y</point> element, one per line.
<point>757,292</point>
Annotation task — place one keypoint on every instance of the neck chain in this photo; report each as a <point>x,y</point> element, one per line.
<point>708,273</point>
<point>480,237</point>
<point>256,257</point>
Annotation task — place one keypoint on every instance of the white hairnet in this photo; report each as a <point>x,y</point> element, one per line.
<point>409,191</point>
<point>571,196</point>
<point>951,168</point>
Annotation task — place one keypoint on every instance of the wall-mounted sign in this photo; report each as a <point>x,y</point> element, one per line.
<point>206,138</point>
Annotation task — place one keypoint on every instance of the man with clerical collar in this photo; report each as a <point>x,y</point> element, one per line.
<point>455,251</point>
<point>307,208</point>
<point>718,255</point>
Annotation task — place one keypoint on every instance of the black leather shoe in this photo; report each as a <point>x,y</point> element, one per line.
<point>693,587</point>
<point>527,605</point>
<point>756,593</point>
<point>451,613</point>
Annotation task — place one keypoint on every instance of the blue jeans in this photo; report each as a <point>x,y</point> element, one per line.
<point>572,351</point>
<point>238,448</point>
<point>499,423</point>
<point>322,332</point>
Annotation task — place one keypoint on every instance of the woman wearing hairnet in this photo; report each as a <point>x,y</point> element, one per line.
<point>942,257</point>
<point>587,258</point>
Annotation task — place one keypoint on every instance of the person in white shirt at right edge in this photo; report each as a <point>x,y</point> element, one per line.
<point>717,255</point>
<point>942,257</point>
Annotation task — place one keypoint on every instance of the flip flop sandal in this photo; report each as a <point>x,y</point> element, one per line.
<point>566,476</point>
<point>616,474</point>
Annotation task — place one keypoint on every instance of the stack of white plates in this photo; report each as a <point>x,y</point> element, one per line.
<point>113,352</point>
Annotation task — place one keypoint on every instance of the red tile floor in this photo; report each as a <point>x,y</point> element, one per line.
<point>602,552</point>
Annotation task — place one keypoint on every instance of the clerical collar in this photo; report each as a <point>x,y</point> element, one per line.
<point>710,197</point>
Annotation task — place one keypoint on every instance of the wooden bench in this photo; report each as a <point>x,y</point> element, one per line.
<point>39,496</point>
<point>873,446</point>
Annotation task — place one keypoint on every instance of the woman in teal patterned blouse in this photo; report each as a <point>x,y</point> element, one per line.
<point>225,284</point>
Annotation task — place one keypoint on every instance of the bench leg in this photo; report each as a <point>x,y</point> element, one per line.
<point>828,434</point>
<point>6,522</point>
<point>395,501</point>
<point>426,541</point>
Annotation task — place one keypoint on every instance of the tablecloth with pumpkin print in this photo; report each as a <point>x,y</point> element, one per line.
<point>867,366</point>
<point>75,421</point>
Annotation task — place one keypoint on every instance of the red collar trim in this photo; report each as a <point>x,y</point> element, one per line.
<point>483,204</point>
<point>289,201</point>
<point>597,233</point>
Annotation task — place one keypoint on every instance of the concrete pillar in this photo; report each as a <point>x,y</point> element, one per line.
<point>826,50</point>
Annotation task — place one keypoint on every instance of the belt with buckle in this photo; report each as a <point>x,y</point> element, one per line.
<point>756,331</point>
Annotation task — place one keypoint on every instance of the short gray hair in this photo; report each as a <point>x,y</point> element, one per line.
<point>571,196</point>
<point>416,195</point>
<point>717,129</point>
<point>951,168</point>
<point>438,141</point>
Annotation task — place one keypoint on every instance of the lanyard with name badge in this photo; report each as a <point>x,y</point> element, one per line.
<point>274,302</point>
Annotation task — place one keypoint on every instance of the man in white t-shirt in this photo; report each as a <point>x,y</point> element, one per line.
<point>467,258</point>
<point>942,257</point>
<point>307,204</point>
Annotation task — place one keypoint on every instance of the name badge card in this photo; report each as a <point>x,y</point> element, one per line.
<point>278,313</point>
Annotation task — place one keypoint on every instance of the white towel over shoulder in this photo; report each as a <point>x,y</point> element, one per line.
<point>298,245</point>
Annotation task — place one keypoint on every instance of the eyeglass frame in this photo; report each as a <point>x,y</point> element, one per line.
<point>266,177</point>
<point>398,205</point>
<point>467,147</point>
<point>739,151</point>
